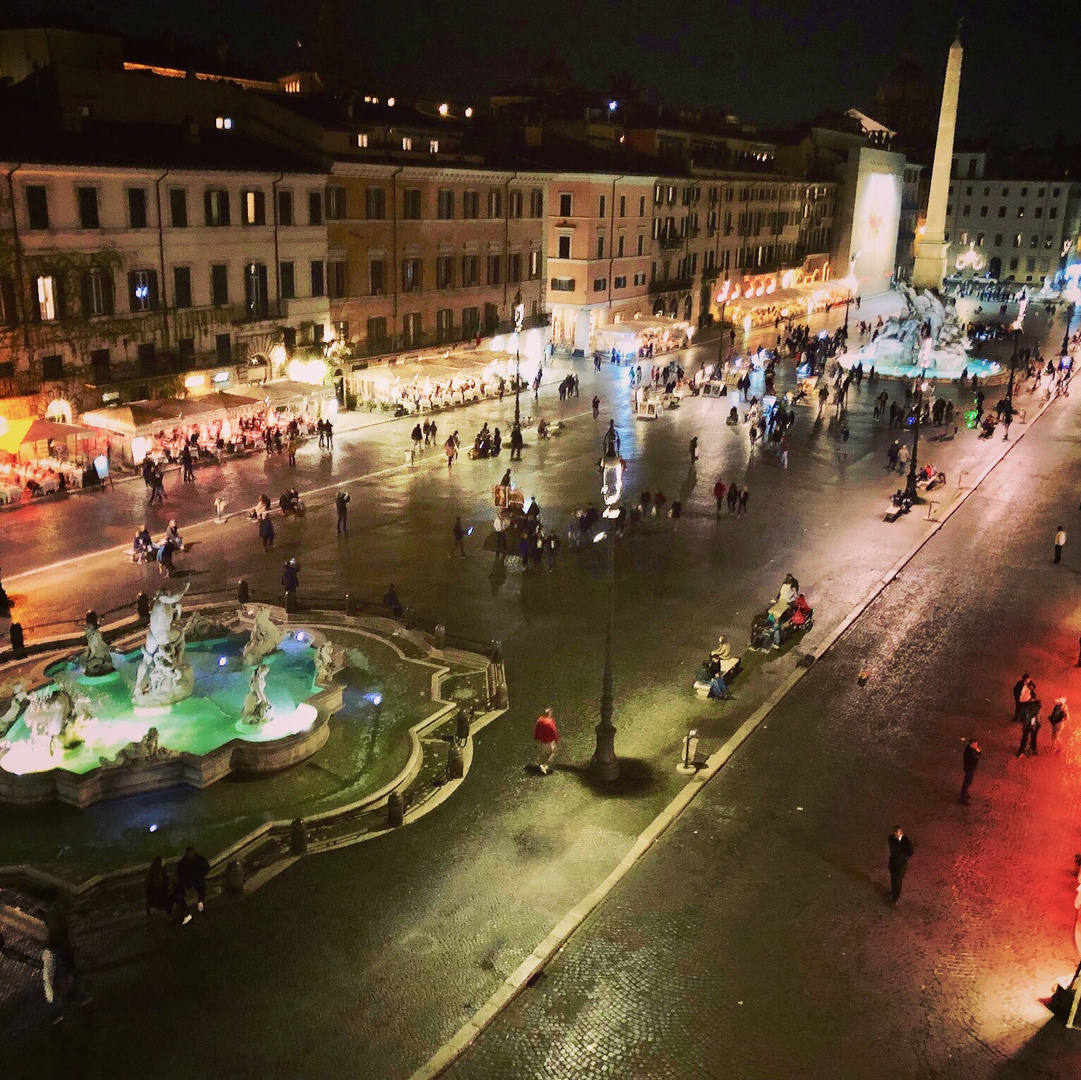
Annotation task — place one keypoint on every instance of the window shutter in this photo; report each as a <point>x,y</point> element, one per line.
<point>133,300</point>
<point>61,304</point>
<point>7,301</point>
<point>85,294</point>
<point>108,302</point>
<point>208,206</point>
<point>152,282</point>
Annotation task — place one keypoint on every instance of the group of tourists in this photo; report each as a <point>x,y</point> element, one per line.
<point>171,895</point>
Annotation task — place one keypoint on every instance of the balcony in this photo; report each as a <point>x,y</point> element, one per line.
<point>671,285</point>
<point>670,243</point>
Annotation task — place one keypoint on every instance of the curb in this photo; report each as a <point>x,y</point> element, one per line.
<point>542,955</point>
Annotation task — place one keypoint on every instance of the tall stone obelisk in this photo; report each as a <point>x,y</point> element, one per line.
<point>930,267</point>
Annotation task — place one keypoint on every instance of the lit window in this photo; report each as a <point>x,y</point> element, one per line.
<point>46,290</point>
<point>224,123</point>
<point>362,140</point>
<point>407,143</point>
<point>433,146</point>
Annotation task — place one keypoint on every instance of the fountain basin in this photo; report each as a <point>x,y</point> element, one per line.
<point>937,368</point>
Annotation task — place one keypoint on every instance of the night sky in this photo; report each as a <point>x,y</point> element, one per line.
<point>768,61</point>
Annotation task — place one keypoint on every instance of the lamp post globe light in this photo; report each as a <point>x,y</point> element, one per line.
<point>910,486</point>
<point>519,320</point>
<point>605,764</point>
<point>1007,418</point>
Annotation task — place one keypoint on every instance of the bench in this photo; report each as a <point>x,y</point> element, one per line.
<point>729,669</point>
<point>893,512</point>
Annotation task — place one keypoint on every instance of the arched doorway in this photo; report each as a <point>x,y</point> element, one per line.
<point>58,409</point>
<point>658,308</point>
<point>688,304</point>
<point>994,267</point>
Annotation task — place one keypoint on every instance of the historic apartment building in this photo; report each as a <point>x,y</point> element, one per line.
<point>113,276</point>
<point>432,256</point>
<point>1013,230</point>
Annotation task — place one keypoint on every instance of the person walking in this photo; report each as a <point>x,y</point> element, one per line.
<point>546,736</point>
<point>459,538</point>
<point>903,456</point>
<point>451,450</point>
<point>694,449</point>
<point>418,439</point>
<point>1030,727</point>
<point>1059,715</point>
<point>291,450</point>
<point>328,434</point>
<point>733,498</point>
<point>500,527</point>
<point>290,579</point>
<point>901,850</point>
<point>1018,690</point>
<point>1060,543</point>
<point>341,506</point>
<point>970,761</point>
<point>719,490</point>
<point>744,497</point>
<point>784,453</point>
<point>191,873</point>
<point>186,461</point>
<point>516,443</point>
<point>551,547</point>
<point>266,532</point>
<point>159,894</point>
<point>596,406</point>
<point>157,485</point>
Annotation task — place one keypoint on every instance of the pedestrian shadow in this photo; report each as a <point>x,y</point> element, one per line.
<point>637,777</point>
<point>686,489</point>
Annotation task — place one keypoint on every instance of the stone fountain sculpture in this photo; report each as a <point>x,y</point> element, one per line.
<point>164,676</point>
<point>96,658</point>
<point>56,714</point>
<point>16,705</point>
<point>147,749</point>
<point>926,332</point>
<point>265,637</point>
<point>328,662</point>
<point>257,709</point>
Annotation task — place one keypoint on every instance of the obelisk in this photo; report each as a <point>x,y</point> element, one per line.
<point>930,267</point>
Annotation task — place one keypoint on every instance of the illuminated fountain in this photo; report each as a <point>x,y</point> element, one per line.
<point>926,337</point>
<point>192,705</point>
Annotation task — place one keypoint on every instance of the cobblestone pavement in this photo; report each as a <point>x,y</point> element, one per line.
<point>755,939</point>
<point>364,961</point>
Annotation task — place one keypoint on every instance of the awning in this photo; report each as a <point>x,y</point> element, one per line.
<point>146,417</point>
<point>21,432</point>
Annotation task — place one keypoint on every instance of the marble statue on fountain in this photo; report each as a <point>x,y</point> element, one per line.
<point>164,676</point>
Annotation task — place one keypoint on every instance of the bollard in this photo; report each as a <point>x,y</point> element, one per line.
<point>440,636</point>
<point>18,644</point>
<point>298,837</point>
<point>690,748</point>
<point>350,605</point>
<point>142,607</point>
<point>395,810</point>
<point>495,652</point>
<point>290,603</point>
<point>92,618</point>
<point>409,618</point>
<point>234,880</point>
<point>455,762</point>
<point>242,591</point>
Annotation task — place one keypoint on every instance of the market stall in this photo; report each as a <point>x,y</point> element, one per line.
<point>646,337</point>
<point>40,456</point>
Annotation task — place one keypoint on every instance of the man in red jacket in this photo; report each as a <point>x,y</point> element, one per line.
<point>720,489</point>
<point>546,736</point>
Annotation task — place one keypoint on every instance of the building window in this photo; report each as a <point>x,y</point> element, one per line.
<point>1034,242</point>
<point>411,275</point>
<point>407,142</point>
<point>182,287</point>
<point>1002,211</point>
<point>494,270</point>
<point>411,204</point>
<point>534,264</point>
<point>285,208</point>
<point>514,207</point>
<point>964,237</point>
<point>620,282</point>
<point>315,208</point>
<point>255,290</point>
<point>1048,241</point>
<point>219,284</point>
<point>559,284</point>
<point>623,206</point>
<point>1052,213</point>
<point>600,247</point>
<point>137,208</point>
<point>318,280</point>
<point>254,207</point>
<point>495,204</point>
<point>223,123</point>
<point>514,268</point>
<point>602,206</point>
<point>433,146</point>
<point>1016,240</point>
<point>335,203</point>
<point>1020,211</point>
<point>470,322</point>
<point>444,325</point>
<point>471,204</point>
<point>100,365</point>
<point>97,293</point>
<point>178,208</point>
<point>411,329</point>
<point>37,206</point>
<point>470,270</point>
<point>1038,212</point>
<point>223,348</point>
<point>564,247</point>
<point>536,203</point>
<point>88,208</point>
<point>362,140</point>
<point>565,204</point>
<point>52,368</point>
<point>641,244</point>
<point>445,204</point>
<point>287,280</point>
<point>9,315</point>
<point>1013,263</point>
<point>600,284</point>
<point>998,239</point>
<point>47,293</point>
<point>377,333</point>
<point>337,280</point>
<point>147,355</point>
<point>979,239</point>
<point>375,203</point>
<point>377,277</point>
<point>142,290</point>
<point>640,279</point>
<point>983,211</point>
<point>216,206</point>
<point>444,272</point>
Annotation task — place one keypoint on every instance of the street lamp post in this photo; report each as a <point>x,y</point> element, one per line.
<point>1008,419</point>
<point>910,487</point>
<point>605,764</point>
<point>519,320</point>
